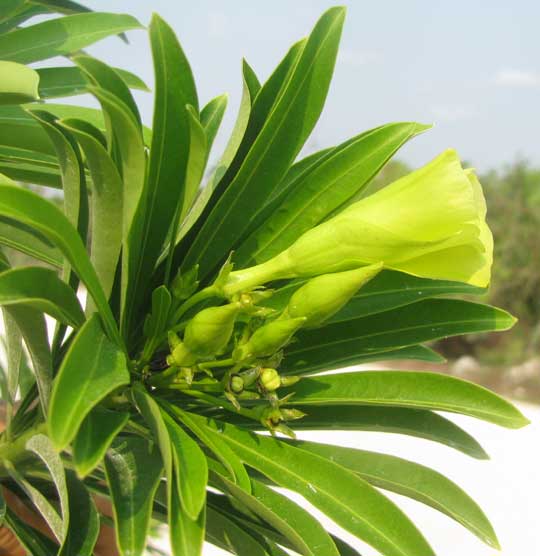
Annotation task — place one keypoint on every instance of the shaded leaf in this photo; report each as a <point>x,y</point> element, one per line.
<point>92,368</point>
<point>19,83</point>
<point>35,542</point>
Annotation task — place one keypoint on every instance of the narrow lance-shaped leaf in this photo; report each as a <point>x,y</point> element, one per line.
<point>41,289</point>
<point>107,205</point>
<point>18,83</point>
<point>305,533</point>
<point>417,423</point>
<point>169,152</point>
<point>37,212</point>
<point>92,368</point>
<point>422,390</point>
<point>133,468</point>
<point>35,542</point>
<point>94,437</point>
<point>211,117</point>
<point>34,331</point>
<point>58,37</point>
<point>14,354</point>
<point>413,480</point>
<point>343,496</point>
<point>84,523</point>
<point>69,81</point>
<point>344,343</point>
<point>283,135</point>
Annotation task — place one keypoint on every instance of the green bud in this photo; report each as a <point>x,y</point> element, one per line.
<point>236,384</point>
<point>185,285</point>
<point>270,379</point>
<point>210,330</point>
<point>181,356</point>
<point>292,414</point>
<point>268,339</point>
<point>325,295</point>
<point>289,380</point>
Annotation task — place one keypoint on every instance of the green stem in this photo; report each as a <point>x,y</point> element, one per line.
<point>212,400</point>
<point>13,450</point>
<point>206,293</point>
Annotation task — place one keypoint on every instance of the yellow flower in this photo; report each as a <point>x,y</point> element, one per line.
<point>430,223</point>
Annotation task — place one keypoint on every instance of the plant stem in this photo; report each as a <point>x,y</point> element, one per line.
<point>206,293</point>
<point>13,450</point>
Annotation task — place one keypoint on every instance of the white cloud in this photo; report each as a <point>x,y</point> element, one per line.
<point>517,78</point>
<point>451,113</point>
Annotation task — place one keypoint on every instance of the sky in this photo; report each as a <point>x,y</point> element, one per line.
<point>470,68</point>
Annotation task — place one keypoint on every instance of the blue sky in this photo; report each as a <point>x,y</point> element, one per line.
<point>471,68</point>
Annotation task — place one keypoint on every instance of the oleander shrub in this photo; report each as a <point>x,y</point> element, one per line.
<point>215,304</point>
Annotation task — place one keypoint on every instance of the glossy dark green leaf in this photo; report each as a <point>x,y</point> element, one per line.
<point>275,148</point>
<point>18,83</point>
<point>169,152</point>
<point>329,184</point>
<point>191,468</point>
<point>106,203</point>
<point>34,331</point>
<point>92,368</point>
<point>340,494</point>
<point>339,344</point>
<point>62,6</point>
<point>218,447</point>
<point>41,289</point>
<point>69,81</point>
<point>33,210</point>
<point>306,534</point>
<point>420,390</point>
<point>412,480</point>
<point>133,468</point>
<point>84,519</point>
<point>65,35</point>
<point>94,437</point>
<point>398,420</point>
<point>417,352</point>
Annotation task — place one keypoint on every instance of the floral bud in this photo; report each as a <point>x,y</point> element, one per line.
<point>292,414</point>
<point>430,223</point>
<point>269,338</point>
<point>181,356</point>
<point>289,380</point>
<point>270,379</point>
<point>184,285</point>
<point>236,384</point>
<point>210,330</point>
<point>325,295</point>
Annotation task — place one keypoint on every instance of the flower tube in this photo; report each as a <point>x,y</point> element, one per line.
<point>430,223</point>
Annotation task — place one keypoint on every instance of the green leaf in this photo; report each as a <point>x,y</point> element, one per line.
<point>65,35</point>
<point>340,344</point>
<point>92,368</point>
<point>412,480</point>
<point>41,289</point>
<point>69,81</point>
<point>217,446</point>
<point>198,154</point>
<point>2,509</point>
<point>133,468</point>
<point>417,352</point>
<point>421,390</point>
<point>211,117</point>
<point>84,520</point>
<point>340,494</point>
<point>94,437</point>
<point>62,6</point>
<point>411,422</point>
<point>14,355</point>
<point>191,468</point>
<point>9,8</point>
<point>32,540</point>
<point>107,204</point>
<point>39,501</point>
<point>33,210</point>
<point>168,162</point>
<point>24,239</point>
<point>18,83</point>
<point>329,184</point>
<point>34,331</point>
<point>229,534</point>
<point>285,130</point>
<point>43,448</point>
<point>186,534</point>
<point>105,77</point>
<point>306,534</point>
